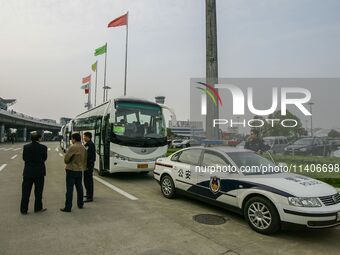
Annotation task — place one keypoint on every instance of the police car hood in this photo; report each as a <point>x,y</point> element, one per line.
<point>290,185</point>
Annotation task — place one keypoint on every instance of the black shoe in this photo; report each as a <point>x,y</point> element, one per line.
<point>64,210</point>
<point>23,213</point>
<point>81,207</point>
<point>88,200</point>
<point>42,210</point>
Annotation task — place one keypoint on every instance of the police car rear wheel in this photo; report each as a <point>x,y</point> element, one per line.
<point>262,216</point>
<point>167,187</point>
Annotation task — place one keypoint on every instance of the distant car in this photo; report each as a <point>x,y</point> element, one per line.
<point>308,146</point>
<point>277,143</point>
<point>176,143</point>
<point>268,200</point>
<point>336,153</point>
<point>184,143</point>
<point>241,145</point>
<point>335,144</point>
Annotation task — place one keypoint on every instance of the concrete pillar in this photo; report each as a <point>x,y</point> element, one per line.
<point>2,133</point>
<point>24,134</point>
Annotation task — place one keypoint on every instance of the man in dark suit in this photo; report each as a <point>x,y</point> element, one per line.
<point>88,173</point>
<point>34,155</point>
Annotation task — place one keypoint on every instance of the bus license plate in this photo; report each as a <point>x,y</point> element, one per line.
<point>142,165</point>
<point>338,216</point>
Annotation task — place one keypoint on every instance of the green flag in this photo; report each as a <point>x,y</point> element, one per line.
<point>100,50</point>
<point>94,67</point>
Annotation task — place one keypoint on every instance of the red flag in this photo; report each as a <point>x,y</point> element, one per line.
<point>87,79</point>
<point>87,91</point>
<point>120,21</point>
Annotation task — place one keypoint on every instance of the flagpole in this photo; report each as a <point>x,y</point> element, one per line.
<point>95,89</point>
<point>126,50</point>
<point>89,98</point>
<point>105,75</point>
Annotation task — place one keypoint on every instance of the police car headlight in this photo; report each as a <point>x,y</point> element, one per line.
<point>304,201</point>
<point>303,149</point>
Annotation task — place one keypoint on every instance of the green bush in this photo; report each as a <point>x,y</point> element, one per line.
<point>307,161</point>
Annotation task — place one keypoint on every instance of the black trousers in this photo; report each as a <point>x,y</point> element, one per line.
<point>88,183</point>
<point>74,178</point>
<point>27,184</point>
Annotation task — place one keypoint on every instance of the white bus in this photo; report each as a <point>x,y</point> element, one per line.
<point>65,132</point>
<point>129,134</point>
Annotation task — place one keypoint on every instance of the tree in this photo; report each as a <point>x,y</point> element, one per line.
<point>334,134</point>
<point>278,129</point>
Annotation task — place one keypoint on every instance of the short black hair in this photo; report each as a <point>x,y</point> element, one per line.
<point>76,136</point>
<point>88,134</point>
<point>35,136</point>
<point>255,131</point>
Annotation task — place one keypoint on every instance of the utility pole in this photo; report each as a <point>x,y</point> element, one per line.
<point>311,117</point>
<point>211,66</point>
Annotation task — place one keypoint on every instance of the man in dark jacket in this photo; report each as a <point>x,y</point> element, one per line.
<point>255,143</point>
<point>34,155</point>
<point>88,173</point>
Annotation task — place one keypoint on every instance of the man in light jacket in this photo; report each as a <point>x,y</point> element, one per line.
<point>75,160</point>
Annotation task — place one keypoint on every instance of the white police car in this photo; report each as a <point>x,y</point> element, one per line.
<point>268,200</point>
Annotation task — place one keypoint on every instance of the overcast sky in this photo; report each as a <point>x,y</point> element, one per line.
<point>47,47</point>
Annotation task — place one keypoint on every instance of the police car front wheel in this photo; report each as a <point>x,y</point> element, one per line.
<point>261,215</point>
<point>167,186</point>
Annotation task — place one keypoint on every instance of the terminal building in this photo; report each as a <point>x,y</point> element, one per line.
<point>16,127</point>
<point>187,128</point>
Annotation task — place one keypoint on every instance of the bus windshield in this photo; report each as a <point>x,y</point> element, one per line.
<point>138,121</point>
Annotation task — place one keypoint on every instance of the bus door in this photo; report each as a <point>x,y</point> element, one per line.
<point>106,142</point>
<point>97,141</point>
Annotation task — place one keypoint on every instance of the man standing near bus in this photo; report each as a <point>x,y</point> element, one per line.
<point>75,160</point>
<point>88,173</point>
<point>34,155</point>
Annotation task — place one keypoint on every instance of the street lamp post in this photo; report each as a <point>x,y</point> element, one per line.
<point>211,66</point>
<point>311,117</point>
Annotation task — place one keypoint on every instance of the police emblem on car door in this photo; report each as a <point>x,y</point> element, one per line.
<point>215,184</point>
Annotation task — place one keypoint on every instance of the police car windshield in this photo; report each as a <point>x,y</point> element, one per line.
<point>251,163</point>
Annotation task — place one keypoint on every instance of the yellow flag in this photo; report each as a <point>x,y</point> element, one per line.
<point>94,67</point>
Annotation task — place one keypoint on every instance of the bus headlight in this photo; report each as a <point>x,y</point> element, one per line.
<point>304,201</point>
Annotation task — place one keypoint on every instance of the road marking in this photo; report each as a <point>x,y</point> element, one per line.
<point>8,149</point>
<point>49,149</point>
<point>61,155</point>
<point>118,190</point>
<point>2,167</point>
<point>17,149</point>
<point>56,149</point>
<point>16,155</point>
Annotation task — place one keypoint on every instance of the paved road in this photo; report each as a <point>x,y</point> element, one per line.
<point>139,221</point>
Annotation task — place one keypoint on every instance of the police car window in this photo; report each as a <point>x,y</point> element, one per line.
<point>253,164</point>
<point>190,157</point>
<point>175,156</point>
<point>212,159</point>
